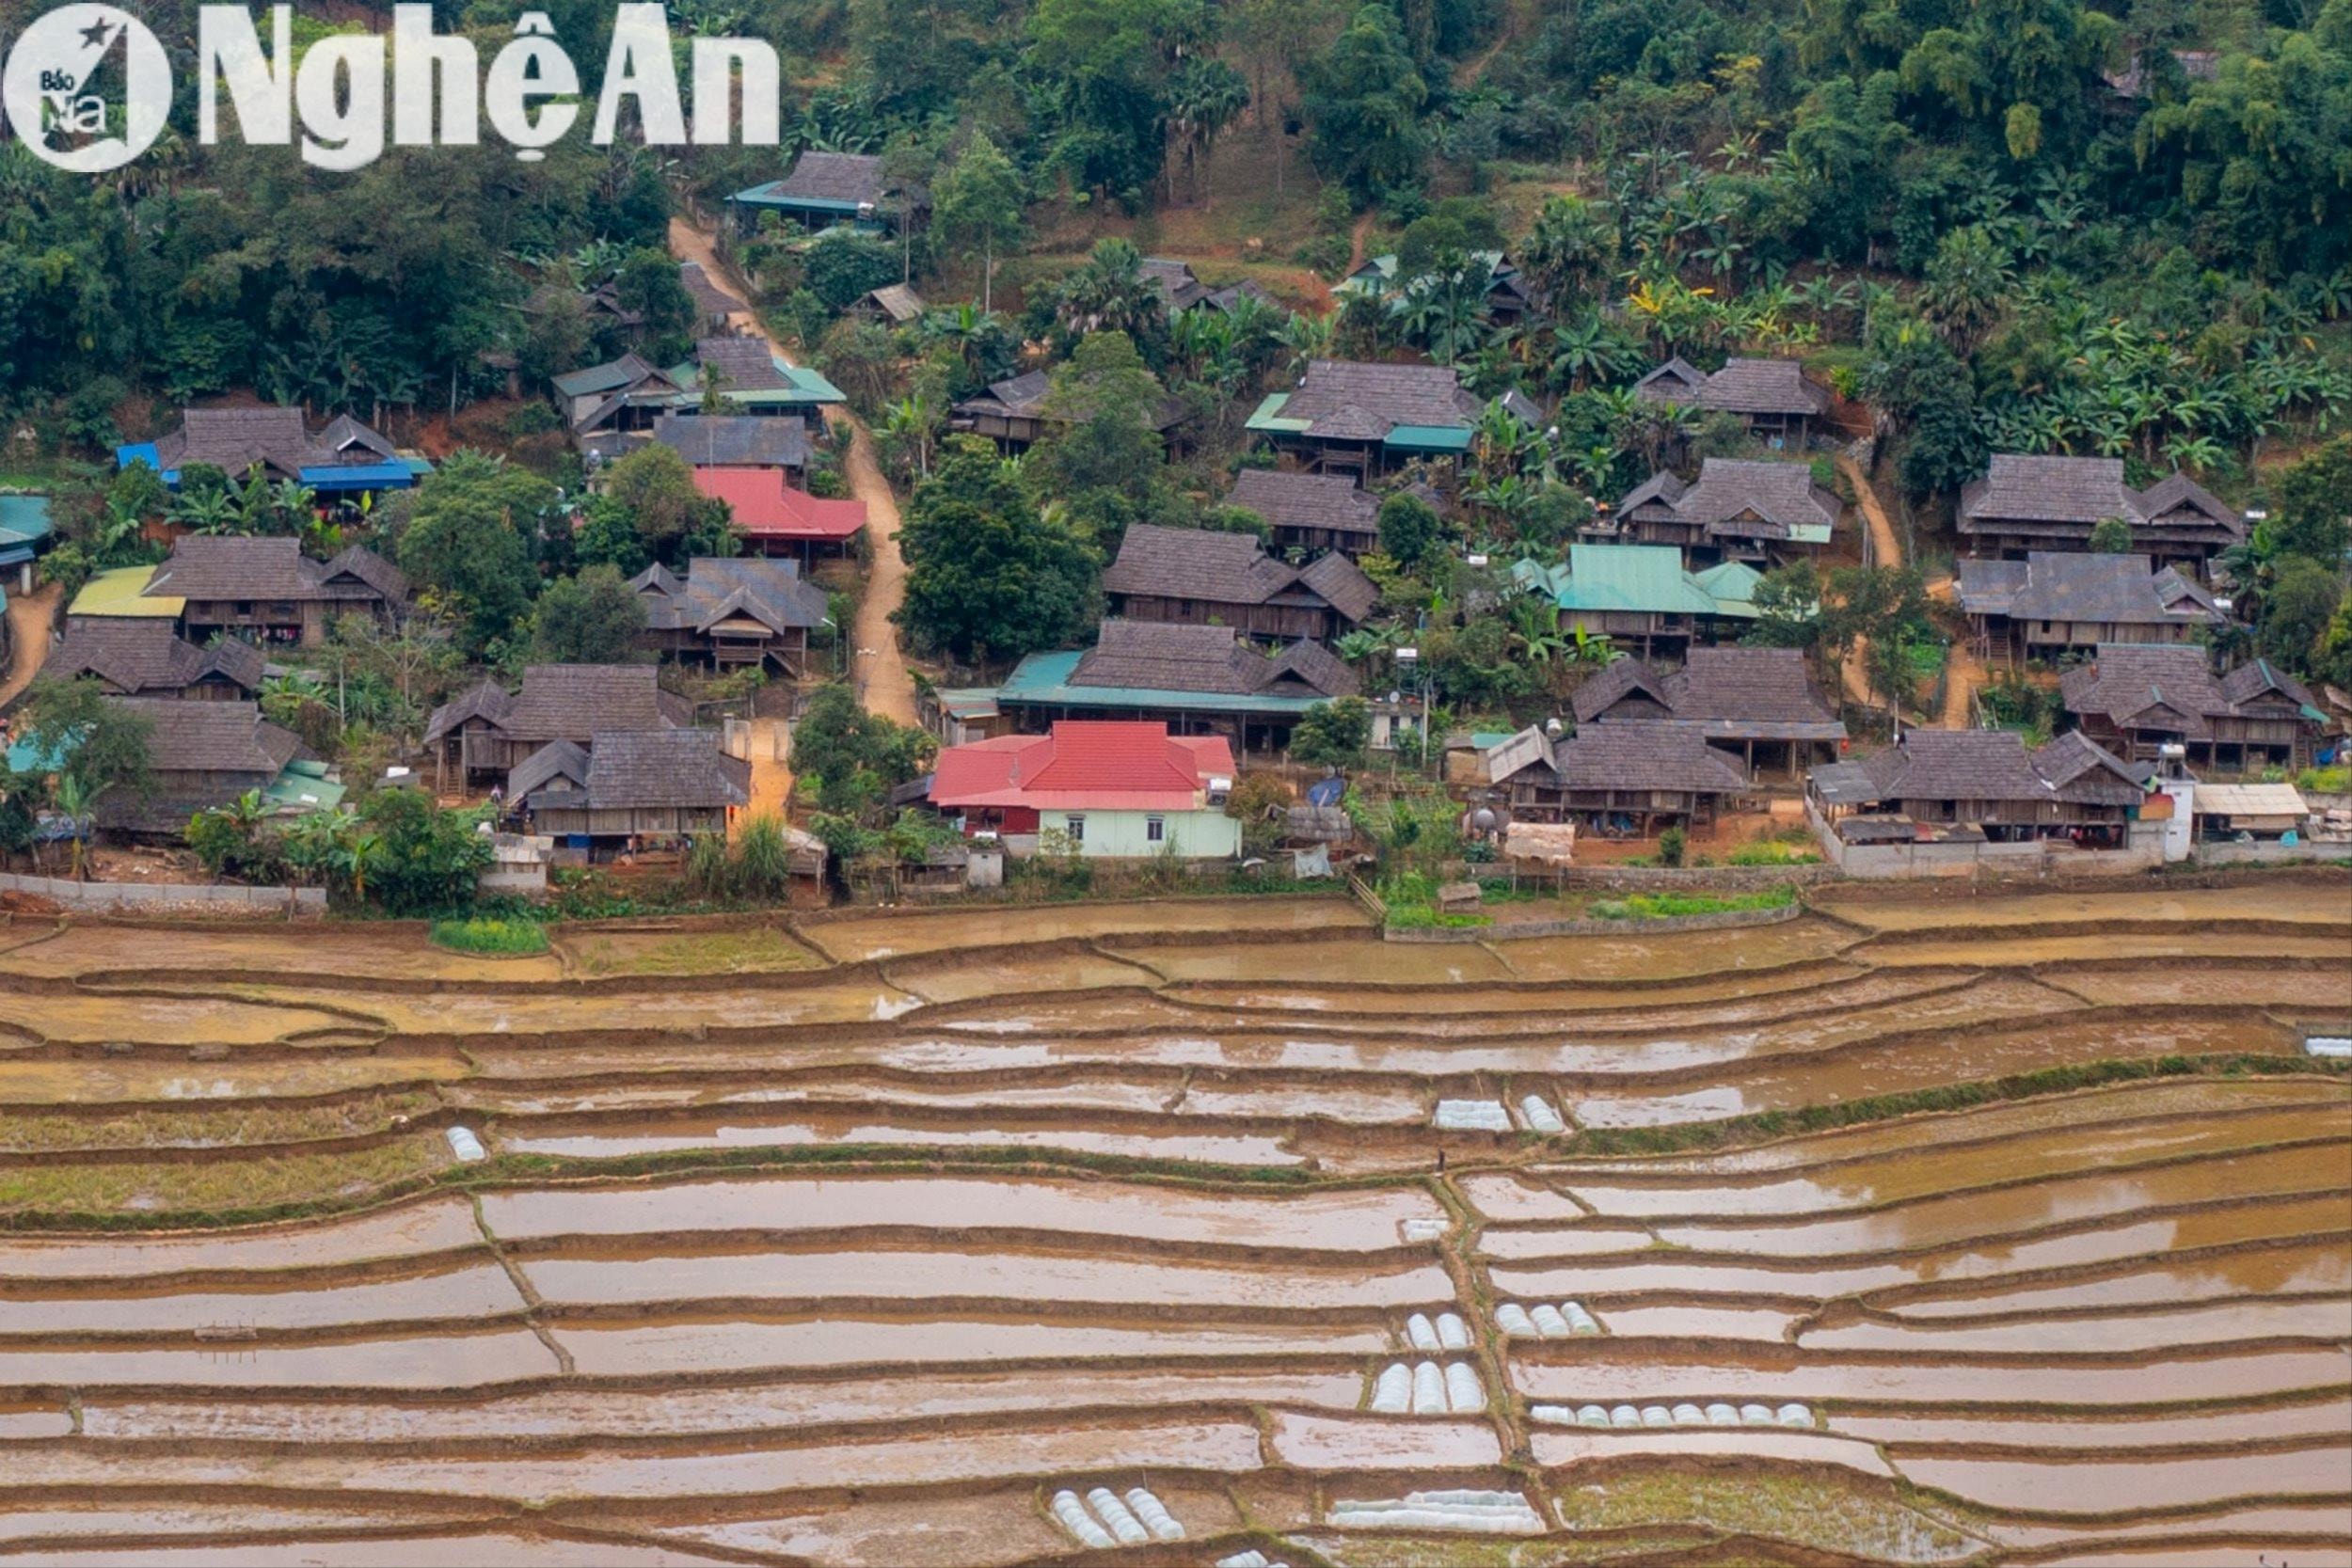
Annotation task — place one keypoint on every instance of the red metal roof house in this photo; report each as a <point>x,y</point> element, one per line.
<point>1114,788</point>
<point>774,519</point>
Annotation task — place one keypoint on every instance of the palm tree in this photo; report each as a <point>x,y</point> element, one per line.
<point>1109,293</point>
<point>76,801</point>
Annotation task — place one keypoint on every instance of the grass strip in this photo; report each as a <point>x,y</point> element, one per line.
<point>491,934</point>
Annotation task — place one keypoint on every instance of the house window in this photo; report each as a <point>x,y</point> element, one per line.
<point>1155,828</point>
<point>1078,829</point>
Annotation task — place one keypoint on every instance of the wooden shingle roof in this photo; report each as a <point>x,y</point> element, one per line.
<point>135,656</point>
<point>1153,656</point>
<point>1377,398</point>
<point>846,177</point>
<point>1645,756</point>
<point>1731,693</point>
<point>1744,498</point>
<point>734,440</point>
<point>1333,502</point>
<point>211,737</point>
<point>664,770</point>
<point>1229,568</point>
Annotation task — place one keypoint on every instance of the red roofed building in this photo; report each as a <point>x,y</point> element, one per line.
<point>773,518</point>
<point>1116,789</point>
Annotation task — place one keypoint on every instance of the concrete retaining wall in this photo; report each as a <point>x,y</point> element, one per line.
<point>2268,852</point>
<point>1704,878</point>
<point>158,897</point>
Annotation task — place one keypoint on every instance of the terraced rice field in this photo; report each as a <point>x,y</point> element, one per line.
<point>1917,1229</point>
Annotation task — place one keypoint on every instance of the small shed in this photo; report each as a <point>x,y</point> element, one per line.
<point>2263,809</point>
<point>1551,845</point>
<point>893,305</point>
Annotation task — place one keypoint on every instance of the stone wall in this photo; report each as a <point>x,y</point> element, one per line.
<point>166,897</point>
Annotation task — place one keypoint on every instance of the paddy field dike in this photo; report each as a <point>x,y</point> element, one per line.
<point>1922,1227</point>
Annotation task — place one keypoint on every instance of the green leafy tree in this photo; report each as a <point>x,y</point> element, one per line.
<point>987,577</point>
<point>1409,529</point>
<point>850,759</point>
<point>977,207</point>
<point>422,859</point>
<point>1103,458</point>
<point>593,618</point>
<point>1363,105</point>
<point>99,743</point>
<point>2296,613</point>
<point>1333,734</point>
<point>471,542</point>
<point>649,285</point>
<point>655,487</point>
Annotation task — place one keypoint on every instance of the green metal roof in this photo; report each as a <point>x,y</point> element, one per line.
<point>1044,678</point>
<point>1269,415</point>
<point>596,378</point>
<point>806,386</point>
<point>1640,579</point>
<point>304,787</point>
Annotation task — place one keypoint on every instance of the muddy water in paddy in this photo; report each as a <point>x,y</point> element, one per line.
<point>1968,1301</point>
<point>924,1276</point>
<point>1234,1150</point>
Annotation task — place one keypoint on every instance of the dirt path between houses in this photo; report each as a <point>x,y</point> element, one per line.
<point>879,668</point>
<point>30,616</point>
<point>1965,671</point>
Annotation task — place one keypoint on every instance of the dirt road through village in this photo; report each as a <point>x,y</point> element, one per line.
<point>877,667</point>
<point>30,616</point>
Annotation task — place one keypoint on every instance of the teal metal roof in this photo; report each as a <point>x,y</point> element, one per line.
<point>596,378</point>
<point>24,519</point>
<point>303,786</point>
<point>806,386</point>
<point>1044,678</point>
<point>1640,579</point>
<point>1429,438</point>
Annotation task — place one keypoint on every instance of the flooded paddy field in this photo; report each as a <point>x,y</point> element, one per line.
<point>1920,1230</point>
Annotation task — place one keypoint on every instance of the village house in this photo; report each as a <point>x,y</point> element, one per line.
<point>343,461</point>
<point>715,308</point>
<point>774,519</point>
<point>1948,784</point>
<point>1013,413</point>
<point>2048,605</point>
<point>1108,791</point>
<point>612,409</point>
<point>25,533</point>
<point>1767,514</point>
<point>824,189</point>
<point>265,590</point>
<point>1204,577</point>
<point>2136,699</point>
<point>1642,597</point>
<point>133,657</point>
<point>1199,680</point>
<point>1346,417</point>
<point>482,734</point>
<point>1776,399</point>
<point>2029,503</point>
<point>1745,702</point>
<point>736,441</point>
<point>1310,511</point>
<point>1180,291</point>
<point>652,788</point>
<point>199,756</point>
<point>728,613</point>
<point>1615,781</point>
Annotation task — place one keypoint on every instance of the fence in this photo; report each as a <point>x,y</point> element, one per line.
<point>152,896</point>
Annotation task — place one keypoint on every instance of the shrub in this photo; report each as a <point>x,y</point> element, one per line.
<point>1671,844</point>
